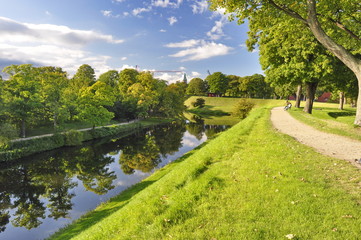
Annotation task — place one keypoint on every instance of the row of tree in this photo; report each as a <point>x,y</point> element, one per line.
<point>41,95</point>
<point>220,84</point>
<point>311,43</point>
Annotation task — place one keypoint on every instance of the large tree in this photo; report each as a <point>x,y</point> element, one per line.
<point>197,87</point>
<point>92,102</point>
<point>53,81</point>
<point>336,24</point>
<point>217,82</point>
<point>21,94</point>
<point>287,60</point>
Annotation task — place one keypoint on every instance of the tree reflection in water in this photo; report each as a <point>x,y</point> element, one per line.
<point>43,183</point>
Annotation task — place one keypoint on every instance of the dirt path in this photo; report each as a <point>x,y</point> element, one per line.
<point>325,143</point>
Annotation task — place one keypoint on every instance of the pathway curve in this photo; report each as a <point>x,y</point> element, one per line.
<point>325,143</point>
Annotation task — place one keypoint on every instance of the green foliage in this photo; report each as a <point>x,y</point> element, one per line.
<point>73,138</point>
<point>111,78</point>
<point>217,82</point>
<point>92,101</point>
<point>243,107</point>
<point>197,87</point>
<point>7,132</point>
<point>84,77</point>
<point>21,94</point>
<point>200,103</point>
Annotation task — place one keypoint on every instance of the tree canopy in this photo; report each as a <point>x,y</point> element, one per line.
<point>335,24</point>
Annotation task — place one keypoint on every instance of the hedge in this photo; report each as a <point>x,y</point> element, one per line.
<point>22,148</point>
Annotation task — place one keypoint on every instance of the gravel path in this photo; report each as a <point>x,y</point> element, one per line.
<point>324,143</point>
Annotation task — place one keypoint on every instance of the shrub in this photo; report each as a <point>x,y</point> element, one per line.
<point>73,138</point>
<point>7,132</point>
<point>200,102</point>
<point>243,107</point>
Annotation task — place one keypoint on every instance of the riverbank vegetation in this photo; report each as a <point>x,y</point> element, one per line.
<point>40,97</point>
<point>246,183</point>
<point>27,146</point>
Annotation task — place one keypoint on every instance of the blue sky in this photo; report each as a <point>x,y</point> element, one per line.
<point>181,35</point>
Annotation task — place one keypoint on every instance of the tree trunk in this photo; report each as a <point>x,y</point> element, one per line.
<point>342,100</point>
<point>23,134</point>
<point>310,96</point>
<point>298,96</point>
<point>353,63</point>
<point>358,101</point>
<point>55,121</point>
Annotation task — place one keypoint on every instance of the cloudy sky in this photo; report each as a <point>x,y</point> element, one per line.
<point>177,35</point>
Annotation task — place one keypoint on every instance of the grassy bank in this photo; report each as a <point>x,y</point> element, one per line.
<point>218,111</point>
<point>328,118</point>
<point>249,183</point>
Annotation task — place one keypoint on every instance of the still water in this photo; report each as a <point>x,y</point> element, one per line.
<point>43,193</point>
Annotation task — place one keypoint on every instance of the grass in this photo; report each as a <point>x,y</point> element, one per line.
<point>250,182</point>
<point>328,118</point>
<point>218,111</point>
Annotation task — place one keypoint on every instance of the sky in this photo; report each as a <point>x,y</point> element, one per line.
<point>161,35</point>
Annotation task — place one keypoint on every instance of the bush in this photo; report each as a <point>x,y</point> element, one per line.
<point>7,132</point>
<point>200,102</point>
<point>73,138</point>
<point>243,107</point>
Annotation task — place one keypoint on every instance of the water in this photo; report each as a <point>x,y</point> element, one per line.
<point>42,193</point>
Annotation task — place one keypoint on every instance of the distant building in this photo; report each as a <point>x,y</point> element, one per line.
<point>324,97</point>
<point>185,78</point>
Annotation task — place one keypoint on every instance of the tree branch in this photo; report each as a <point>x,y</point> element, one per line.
<point>288,11</point>
<point>339,51</point>
<point>344,28</point>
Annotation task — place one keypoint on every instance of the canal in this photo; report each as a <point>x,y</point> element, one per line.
<point>44,192</point>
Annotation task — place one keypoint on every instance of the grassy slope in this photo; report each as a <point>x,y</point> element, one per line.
<point>249,183</point>
<point>327,117</point>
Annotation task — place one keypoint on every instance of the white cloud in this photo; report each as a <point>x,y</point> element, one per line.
<point>184,44</point>
<point>217,31</point>
<point>195,74</point>
<point>51,55</point>
<point>200,7</point>
<point>48,13</point>
<point>163,30</point>
<point>107,13</point>
<point>16,32</point>
<point>137,11</point>
<point>124,58</point>
<point>126,14</point>
<point>51,45</point>
<point>172,20</point>
<point>166,3</point>
<point>199,50</point>
<point>169,77</point>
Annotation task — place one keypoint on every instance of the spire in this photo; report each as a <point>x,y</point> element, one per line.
<point>185,78</point>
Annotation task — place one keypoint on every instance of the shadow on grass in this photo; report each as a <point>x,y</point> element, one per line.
<point>207,111</point>
<point>341,114</point>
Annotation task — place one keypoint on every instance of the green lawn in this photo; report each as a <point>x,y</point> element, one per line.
<point>328,118</point>
<point>218,111</point>
<point>250,182</point>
